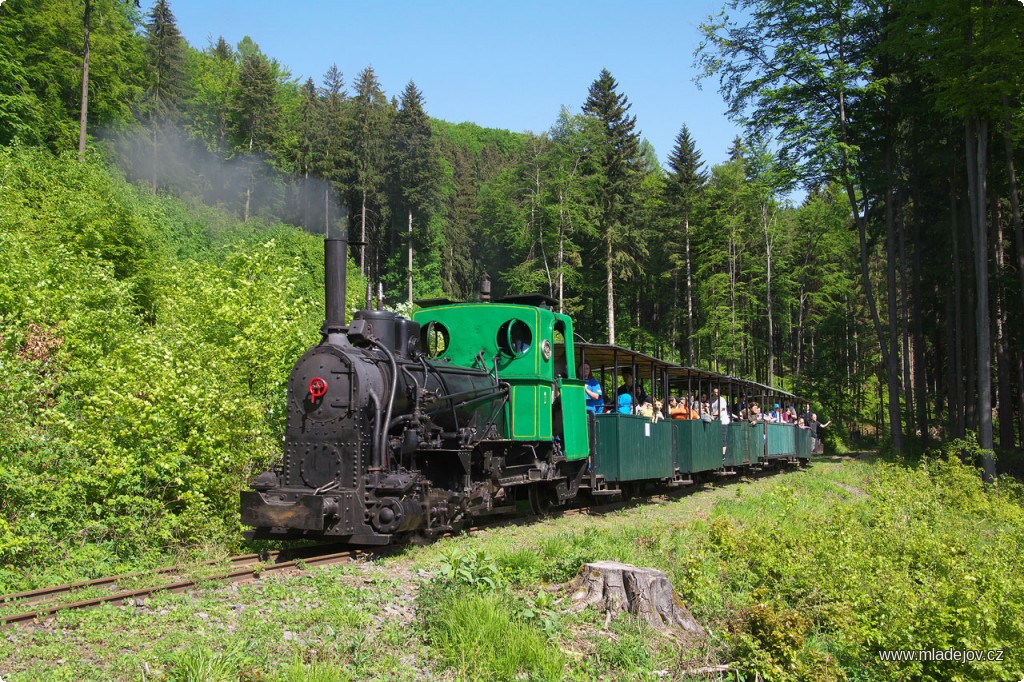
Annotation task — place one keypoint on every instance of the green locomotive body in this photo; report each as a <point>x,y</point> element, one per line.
<point>528,347</point>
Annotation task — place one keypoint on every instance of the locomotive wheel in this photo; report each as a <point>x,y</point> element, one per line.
<point>541,499</point>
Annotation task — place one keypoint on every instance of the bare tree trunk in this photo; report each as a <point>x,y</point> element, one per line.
<point>362,238</point>
<point>768,243</point>
<point>85,84</point>
<point>611,287</point>
<point>410,257</point>
<point>958,395</point>
<point>892,366</point>
<point>1004,390</point>
<point>919,367</point>
<point>689,296</point>
<point>1018,229</point>
<point>908,387</point>
<point>676,350</point>
<point>977,143</point>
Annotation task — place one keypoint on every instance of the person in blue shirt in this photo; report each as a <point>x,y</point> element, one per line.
<point>625,403</point>
<point>595,395</point>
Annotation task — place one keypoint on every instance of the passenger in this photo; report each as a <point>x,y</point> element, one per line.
<point>595,394</point>
<point>636,391</point>
<point>753,413</point>
<point>807,413</point>
<point>773,414</point>
<point>675,408</point>
<point>791,411</point>
<point>720,411</point>
<point>816,426</point>
<point>679,408</point>
<point>624,403</point>
<point>802,424</point>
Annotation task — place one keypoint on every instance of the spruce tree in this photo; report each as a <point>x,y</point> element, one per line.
<point>619,160</point>
<point>417,174</point>
<point>370,122</point>
<point>166,52</point>
<point>683,187</point>
<point>255,111</point>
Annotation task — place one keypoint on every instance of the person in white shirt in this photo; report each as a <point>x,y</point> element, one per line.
<point>720,410</point>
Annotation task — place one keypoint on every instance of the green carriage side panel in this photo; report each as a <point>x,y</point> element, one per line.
<point>803,443</point>
<point>682,447</point>
<point>781,440</point>
<point>698,444</point>
<point>757,442</point>
<point>738,450</point>
<point>574,418</point>
<point>632,448</point>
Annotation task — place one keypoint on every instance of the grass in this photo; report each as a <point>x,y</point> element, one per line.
<point>802,575</point>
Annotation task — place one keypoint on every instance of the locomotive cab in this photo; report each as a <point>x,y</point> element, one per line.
<point>529,347</point>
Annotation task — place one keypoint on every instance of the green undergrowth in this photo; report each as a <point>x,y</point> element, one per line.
<point>801,575</point>
<point>145,345</point>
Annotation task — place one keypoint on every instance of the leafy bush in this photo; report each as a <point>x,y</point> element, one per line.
<point>143,366</point>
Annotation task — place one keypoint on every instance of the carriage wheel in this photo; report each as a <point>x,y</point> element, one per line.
<point>540,497</point>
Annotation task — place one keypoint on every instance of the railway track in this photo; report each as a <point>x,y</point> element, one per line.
<point>48,601</point>
<point>247,567</point>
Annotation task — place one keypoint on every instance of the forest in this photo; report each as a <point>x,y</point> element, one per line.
<point>161,205</point>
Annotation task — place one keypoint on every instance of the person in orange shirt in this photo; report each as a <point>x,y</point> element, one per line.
<point>680,409</point>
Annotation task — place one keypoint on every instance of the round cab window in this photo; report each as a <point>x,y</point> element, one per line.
<point>515,338</point>
<point>435,339</point>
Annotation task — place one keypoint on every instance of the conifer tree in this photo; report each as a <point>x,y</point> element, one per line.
<point>166,52</point>
<point>619,160</point>
<point>370,122</point>
<point>417,174</point>
<point>683,187</point>
<point>255,111</point>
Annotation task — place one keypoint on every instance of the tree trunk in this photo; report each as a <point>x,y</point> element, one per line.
<point>362,238</point>
<point>908,385</point>
<point>958,396</point>
<point>647,593</point>
<point>611,287</point>
<point>1018,229</point>
<point>893,364</point>
<point>410,257</point>
<point>771,323</point>
<point>917,330</point>
<point>689,297</point>
<point>85,84</point>
<point>1004,390</point>
<point>977,142</point>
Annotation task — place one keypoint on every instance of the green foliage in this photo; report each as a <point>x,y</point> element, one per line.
<point>471,569</point>
<point>142,385</point>
<point>486,637</point>
<point>201,664</point>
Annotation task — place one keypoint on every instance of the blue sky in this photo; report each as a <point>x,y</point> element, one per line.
<point>509,65</point>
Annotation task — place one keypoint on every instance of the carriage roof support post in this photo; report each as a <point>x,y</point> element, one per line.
<point>654,382</point>
<point>615,381</point>
<point>665,392</point>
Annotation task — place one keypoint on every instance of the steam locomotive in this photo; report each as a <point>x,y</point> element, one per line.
<point>398,426</point>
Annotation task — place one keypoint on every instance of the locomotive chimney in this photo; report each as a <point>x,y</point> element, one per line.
<point>335,265</point>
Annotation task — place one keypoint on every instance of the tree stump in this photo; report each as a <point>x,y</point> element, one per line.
<point>615,587</point>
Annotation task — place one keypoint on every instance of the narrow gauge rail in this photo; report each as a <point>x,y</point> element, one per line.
<point>270,562</point>
<point>244,567</point>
